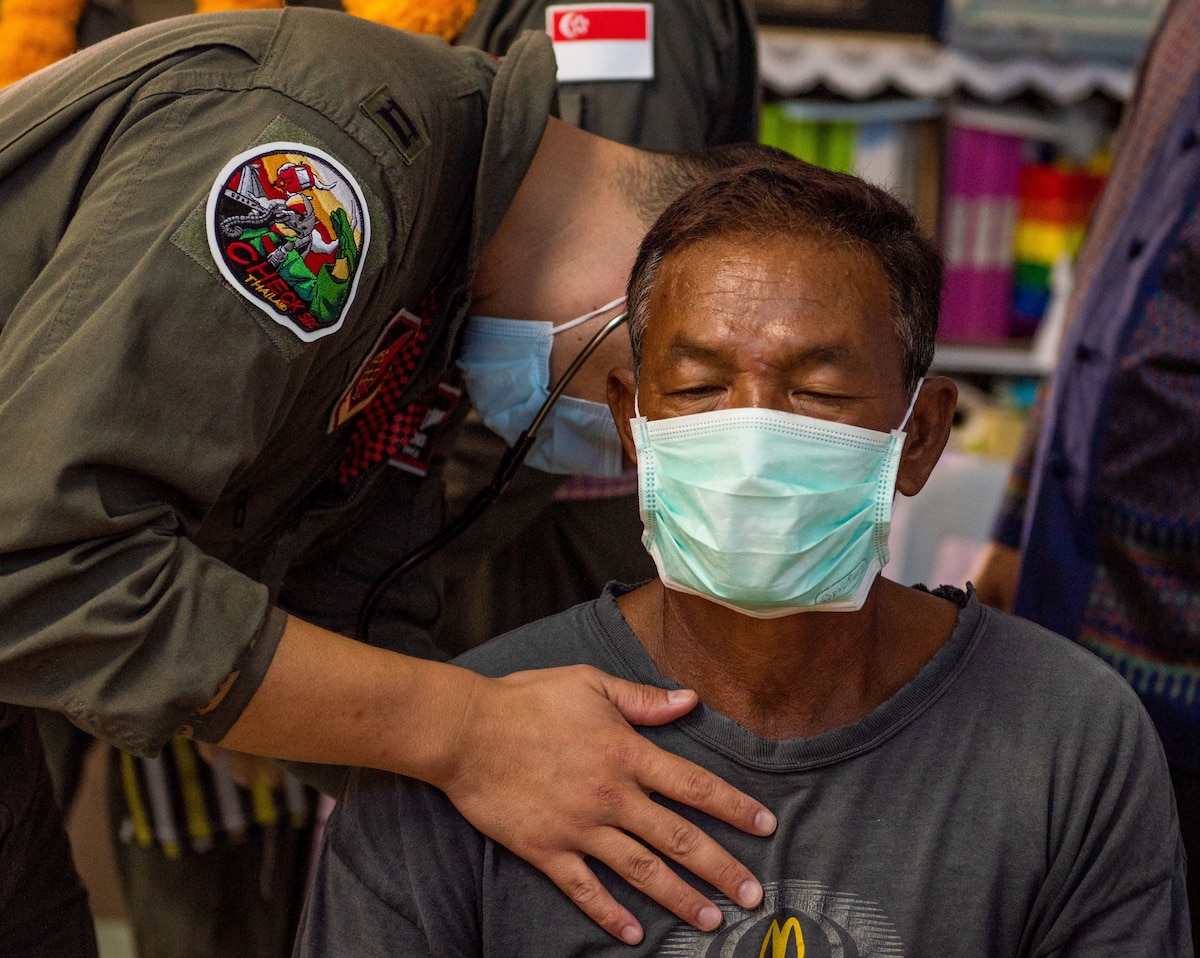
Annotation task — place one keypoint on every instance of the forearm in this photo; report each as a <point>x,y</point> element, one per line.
<point>329,699</point>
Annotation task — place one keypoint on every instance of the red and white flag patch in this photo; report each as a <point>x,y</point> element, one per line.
<point>602,41</point>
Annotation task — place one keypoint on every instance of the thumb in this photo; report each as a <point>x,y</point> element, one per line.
<point>647,705</point>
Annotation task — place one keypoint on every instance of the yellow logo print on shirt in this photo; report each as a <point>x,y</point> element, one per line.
<point>775,944</point>
<point>797,919</point>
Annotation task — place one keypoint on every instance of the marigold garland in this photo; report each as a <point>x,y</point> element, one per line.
<point>217,6</point>
<point>36,33</point>
<point>446,18</point>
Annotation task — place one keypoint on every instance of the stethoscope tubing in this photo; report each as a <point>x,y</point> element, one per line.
<point>503,475</point>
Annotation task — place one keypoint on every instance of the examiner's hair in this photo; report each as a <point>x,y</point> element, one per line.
<point>653,180</point>
<point>785,196</point>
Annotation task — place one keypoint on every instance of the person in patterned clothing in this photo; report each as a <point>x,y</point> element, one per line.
<point>1099,533</point>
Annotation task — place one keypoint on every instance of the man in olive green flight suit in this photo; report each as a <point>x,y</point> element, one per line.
<point>181,432</point>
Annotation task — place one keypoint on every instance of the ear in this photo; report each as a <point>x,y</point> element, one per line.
<point>927,433</point>
<point>620,403</point>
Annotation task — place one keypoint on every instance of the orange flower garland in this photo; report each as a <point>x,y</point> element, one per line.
<point>217,6</point>
<point>446,18</point>
<point>36,33</point>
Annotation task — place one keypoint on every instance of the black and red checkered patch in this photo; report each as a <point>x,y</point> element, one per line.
<point>387,428</point>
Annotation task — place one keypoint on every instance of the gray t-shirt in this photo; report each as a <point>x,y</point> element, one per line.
<point>1011,800</point>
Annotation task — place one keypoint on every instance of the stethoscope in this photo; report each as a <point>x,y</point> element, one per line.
<point>504,474</point>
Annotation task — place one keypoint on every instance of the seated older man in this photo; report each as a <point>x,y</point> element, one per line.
<point>949,780</point>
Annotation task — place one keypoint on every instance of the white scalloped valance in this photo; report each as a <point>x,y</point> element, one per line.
<point>793,62</point>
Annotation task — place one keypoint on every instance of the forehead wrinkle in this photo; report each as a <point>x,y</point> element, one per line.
<point>744,278</point>
<point>683,346</point>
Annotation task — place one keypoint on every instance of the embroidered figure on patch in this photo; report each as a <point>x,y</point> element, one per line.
<point>288,228</point>
<point>602,41</point>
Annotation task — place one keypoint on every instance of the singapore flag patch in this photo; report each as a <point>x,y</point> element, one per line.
<point>288,228</point>
<point>602,41</point>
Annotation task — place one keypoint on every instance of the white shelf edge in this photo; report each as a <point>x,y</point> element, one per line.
<point>999,360</point>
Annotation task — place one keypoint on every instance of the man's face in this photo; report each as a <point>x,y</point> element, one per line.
<point>783,323</point>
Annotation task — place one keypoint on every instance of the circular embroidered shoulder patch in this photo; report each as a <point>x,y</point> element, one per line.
<point>288,227</point>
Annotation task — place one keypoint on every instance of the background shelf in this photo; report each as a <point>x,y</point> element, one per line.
<point>794,61</point>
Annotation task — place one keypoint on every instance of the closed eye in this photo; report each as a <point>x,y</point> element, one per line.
<point>703,389</point>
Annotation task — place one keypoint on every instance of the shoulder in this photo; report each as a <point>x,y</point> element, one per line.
<point>399,873</point>
<point>1042,687</point>
<point>1071,745</point>
<point>1009,639</point>
<point>574,637</point>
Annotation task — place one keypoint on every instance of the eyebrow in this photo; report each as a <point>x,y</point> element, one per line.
<point>682,348</point>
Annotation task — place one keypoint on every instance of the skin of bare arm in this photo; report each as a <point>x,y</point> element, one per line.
<point>995,576</point>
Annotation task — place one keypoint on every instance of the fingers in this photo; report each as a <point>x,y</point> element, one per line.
<point>640,867</point>
<point>552,770</point>
<point>646,872</point>
<point>691,848</point>
<point>687,844</point>
<point>675,777</point>
<point>580,884</point>
<point>645,704</point>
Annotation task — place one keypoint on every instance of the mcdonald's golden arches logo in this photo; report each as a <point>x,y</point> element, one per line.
<point>797,919</point>
<point>776,941</point>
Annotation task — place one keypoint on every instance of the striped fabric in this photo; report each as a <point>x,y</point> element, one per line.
<point>1143,609</point>
<point>177,800</point>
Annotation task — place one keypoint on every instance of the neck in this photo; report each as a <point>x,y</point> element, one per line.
<point>567,241</point>
<point>795,676</point>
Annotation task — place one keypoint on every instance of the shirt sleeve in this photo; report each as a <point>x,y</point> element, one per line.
<point>1116,882</point>
<point>133,385</point>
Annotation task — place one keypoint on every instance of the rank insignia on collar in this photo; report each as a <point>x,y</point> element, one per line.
<point>288,228</point>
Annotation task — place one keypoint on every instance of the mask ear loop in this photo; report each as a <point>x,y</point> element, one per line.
<point>912,404</point>
<point>579,321</point>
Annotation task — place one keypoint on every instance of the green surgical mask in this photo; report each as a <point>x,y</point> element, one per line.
<point>766,512</point>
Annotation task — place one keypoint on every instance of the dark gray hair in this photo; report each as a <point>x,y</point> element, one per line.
<point>786,196</point>
<point>653,180</point>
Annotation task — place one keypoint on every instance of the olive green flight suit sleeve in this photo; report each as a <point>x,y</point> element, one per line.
<point>134,387</point>
<point>137,387</point>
